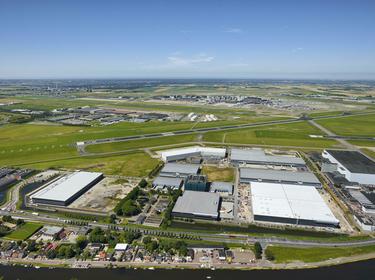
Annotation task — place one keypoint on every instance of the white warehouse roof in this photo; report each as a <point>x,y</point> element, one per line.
<point>67,186</point>
<point>260,157</point>
<point>193,151</point>
<point>290,202</point>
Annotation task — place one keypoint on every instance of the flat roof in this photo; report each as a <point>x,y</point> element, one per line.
<point>278,175</point>
<point>203,151</point>
<point>180,168</point>
<point>354,161</point>
<point>167,181</point>
<point>290,201</point>
<point>258,155</point>
<point>198,203</point>
<point>221,187</point>
<point>67,186</point>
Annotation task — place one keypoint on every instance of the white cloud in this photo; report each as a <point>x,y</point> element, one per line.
<point>179,60</point>
<point>233,30</point>
<point>297,50</point>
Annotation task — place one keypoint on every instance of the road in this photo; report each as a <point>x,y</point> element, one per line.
<point>81,148</point>
<point>215,237</point>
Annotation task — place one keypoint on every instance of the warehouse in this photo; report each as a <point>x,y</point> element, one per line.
<point>179,170</point>
<point>165,183</point>
<point>223,188</point>
<point>353,165</point>
<point>197,151</point>
<point>291,204</point>
<point>197,205</point>
<point>66,189</point>
<point>365,199</point>
<point>248,175</point>
<point>259,157</point>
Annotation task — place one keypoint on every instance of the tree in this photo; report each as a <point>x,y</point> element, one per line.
<point>20,222</point>
<point>97,235</point>
<point>51,254</point>
<point>143,183</point>
<point>129,237</point>
<point>130,208</point>
<point>7,219</point>
<point>31,247</point>
<point>112,219</point>
<point>258,250</point>
<point>81,242</point>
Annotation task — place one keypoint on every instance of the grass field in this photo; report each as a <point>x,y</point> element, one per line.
<point>294,134</point>
<point>218,174</point>
<point>369,153</point>
<point>137,164</point>
<point>316,254</point>
<point>352,125</point>
<point>24,231</point>
<point>144,143</point>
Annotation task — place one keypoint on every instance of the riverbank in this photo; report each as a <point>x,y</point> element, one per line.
<point>262,264</point>
<point>353,271</point>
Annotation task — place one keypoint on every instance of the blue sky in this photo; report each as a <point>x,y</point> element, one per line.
<point>187,39</point>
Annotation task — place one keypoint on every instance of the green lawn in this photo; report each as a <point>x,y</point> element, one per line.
<point>143,143</point>
<point>24,232</point>
<point>316,254</point>
<point>352,125</point>
<point>137,164</point>
<point>293,134</point>
<point>369,153</point>
<point>218,174</point>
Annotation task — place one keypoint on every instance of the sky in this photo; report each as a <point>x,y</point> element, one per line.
<point>298,39</point>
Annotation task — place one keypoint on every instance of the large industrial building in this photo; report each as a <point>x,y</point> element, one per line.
<point>291,204</point>
<point>196,183</point>
<point>165,183</point>
<point>223,188</point>
<point>259,157</point>
<point>197,205</point>
<point>197,151</point>
<point>179,170</point>
<point>248,175</point>
<point>353,165</point>
<point>66,189</point>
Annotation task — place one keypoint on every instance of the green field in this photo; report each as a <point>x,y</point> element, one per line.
<point>293,134</point>
<point>136,164</point>
<point>352,125</point>
<point>144,143</point>
<point>316,254</point>
<point>218,174</point>
<point>24,231</point>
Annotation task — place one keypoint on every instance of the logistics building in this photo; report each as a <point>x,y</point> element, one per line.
<point>66,189</point>
<point>165,183</point>
<point>248,175</point>
<point>196,151</point>
<point>259,157</point>
<point>291,204</point>
<point>179,170</point>
<point>223,188</point>
<point>197,205</point>
<point>353,165</point>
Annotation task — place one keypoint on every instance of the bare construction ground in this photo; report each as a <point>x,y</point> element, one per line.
<point>105,195</point>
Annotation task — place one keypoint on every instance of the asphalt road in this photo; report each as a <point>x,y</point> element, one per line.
<point>220,128</point>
